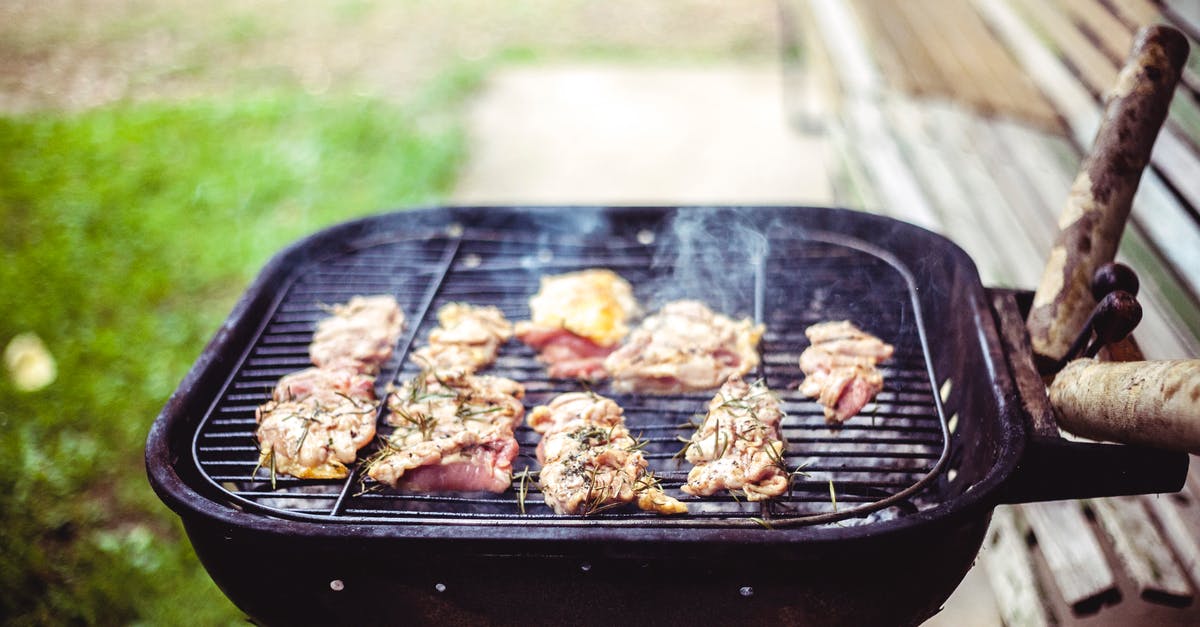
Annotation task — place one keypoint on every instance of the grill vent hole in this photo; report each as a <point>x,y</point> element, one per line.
<point>746,591</point>
<point>337,585</point>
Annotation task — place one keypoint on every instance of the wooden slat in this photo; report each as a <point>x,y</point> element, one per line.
<point>1058,84</point>
<point>1146,559</point>
<point>1098,72</point>
<point>932,168</point>
<point>992,208</point>
<point>1112,35</point>
<point>1179,518</point>
<point>1076,561</point>
<point>1011,573</point>
<point>1138,12</point>
<point>902,60</point>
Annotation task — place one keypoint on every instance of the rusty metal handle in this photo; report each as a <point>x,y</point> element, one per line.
<point>1100,199</point>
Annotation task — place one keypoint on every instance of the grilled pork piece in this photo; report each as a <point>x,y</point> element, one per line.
<point>577,319</point>
<point>840,370</point>
<point>360,335</point>
<point>684,347</point>
<point>739,446</point>
<point>468,339</point>
<point>454,431</point>
<point>316,437</point>
<point>326,383</point>
<point>590,463</point>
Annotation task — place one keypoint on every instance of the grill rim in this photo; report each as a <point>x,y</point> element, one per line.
<point>233,341</point>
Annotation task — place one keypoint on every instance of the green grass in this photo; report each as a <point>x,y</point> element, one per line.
<point>127,234</point>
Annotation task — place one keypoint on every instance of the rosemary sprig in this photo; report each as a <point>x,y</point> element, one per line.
<point>762,523</point>
<point>638,443</point>
<point>523,488</point>
<point>682,453</point>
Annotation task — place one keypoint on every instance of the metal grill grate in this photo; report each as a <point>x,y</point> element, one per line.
<point>879,463</point>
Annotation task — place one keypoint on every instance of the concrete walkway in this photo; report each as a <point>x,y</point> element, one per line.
<point>621,135</point>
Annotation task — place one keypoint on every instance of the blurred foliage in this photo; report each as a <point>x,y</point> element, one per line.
<point>128,232</point>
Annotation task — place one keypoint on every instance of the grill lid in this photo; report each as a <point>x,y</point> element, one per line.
<point>880,465</point>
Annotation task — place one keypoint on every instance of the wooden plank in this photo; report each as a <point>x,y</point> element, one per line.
<point>1073,554</point>
<point>1010,571</point>
<point>1115,38</point>
<point>991,208</point>
<point>945,56</point>
<point>1004,82</point>
<point>1179,518</point>
<point>1178,162</point>
<point>935,174</point>
<point>895,183</point>
<point>1045,69</point>
<point>1097,71</point>
<point>1147,560</point>
<point>1138,12</point>
<point>843,40</point>
<point>897,54</point>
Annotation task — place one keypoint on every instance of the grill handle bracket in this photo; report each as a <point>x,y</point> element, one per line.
<point>1053,469</point>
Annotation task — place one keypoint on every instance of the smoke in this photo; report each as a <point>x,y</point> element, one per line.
<point>715,255</point>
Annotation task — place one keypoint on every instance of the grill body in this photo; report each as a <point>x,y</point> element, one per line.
<point>892,507</point>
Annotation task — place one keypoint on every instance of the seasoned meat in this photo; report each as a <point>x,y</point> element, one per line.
<point>316,437</point>
<point>360,335</point>
<point>739,445</point>
<point>684,347</point>
<point>319,417</point>
<point>325,383</point>
<point>468,339</point>
<point>840,370</point>
<point>590,462</point>
<point>454,431</point>
<point>577,319</point>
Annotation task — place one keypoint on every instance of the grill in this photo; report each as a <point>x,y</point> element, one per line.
<point>877,463</point>
<point>914,477</point>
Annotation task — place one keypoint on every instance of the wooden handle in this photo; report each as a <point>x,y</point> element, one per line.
<point>1152,403</point>
<point>1098,206</point>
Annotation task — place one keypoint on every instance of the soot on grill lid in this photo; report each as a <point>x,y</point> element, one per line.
<point>881,463</point>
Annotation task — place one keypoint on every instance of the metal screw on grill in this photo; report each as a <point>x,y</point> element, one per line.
<point>585,567</point>
<point>440,587</point>
<point>337,585</point>
<point>746,591</point>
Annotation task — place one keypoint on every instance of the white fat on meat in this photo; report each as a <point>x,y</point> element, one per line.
<point>840,368</point>
<point>590,462</point>
<point>468,338</point>
<point>453,432</point>
<point>684,347</point>
<point>327,383</point>
<point>577,319</point>
<point>739,445</point>
<point>314,438</point>
<point>360,334</point>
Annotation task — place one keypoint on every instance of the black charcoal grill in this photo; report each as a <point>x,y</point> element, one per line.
<point>880,527</point>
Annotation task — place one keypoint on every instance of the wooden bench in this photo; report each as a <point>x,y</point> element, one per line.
<point>971,119</point>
